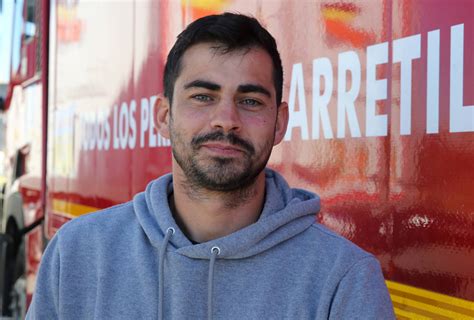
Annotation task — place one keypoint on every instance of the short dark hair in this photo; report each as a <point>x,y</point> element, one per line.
<point>231,32</point>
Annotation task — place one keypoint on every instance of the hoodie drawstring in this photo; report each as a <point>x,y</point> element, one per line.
<point>215,251</point>
<point>169,232</point>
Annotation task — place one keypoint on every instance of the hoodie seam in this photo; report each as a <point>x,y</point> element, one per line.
<point>352,266</point>
<point>361,260</point>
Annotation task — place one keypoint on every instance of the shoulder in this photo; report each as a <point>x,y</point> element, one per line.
<point>333,242</point>
<point>330,252</point>
<point>97,225</point>
<point>353,279</point>
<point>355,283</point>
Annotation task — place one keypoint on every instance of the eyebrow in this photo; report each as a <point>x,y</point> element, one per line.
<point>243,88</point>
<point>248,88</point>
<point>203,84</point>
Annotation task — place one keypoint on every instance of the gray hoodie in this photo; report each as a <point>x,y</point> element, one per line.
<point>132,261</point>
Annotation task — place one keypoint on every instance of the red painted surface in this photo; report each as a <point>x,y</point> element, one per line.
<point>432,196</point>
<point>406,197</point>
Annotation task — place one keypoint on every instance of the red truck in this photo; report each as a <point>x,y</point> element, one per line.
<point>381,126</point>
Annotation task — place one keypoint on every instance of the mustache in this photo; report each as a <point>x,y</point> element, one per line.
<point>230,138</point>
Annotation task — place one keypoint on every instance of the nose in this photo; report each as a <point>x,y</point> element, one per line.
<point>225,116</point>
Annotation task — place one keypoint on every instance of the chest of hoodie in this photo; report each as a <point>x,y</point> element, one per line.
<point>248,288</point>
<point>285,281</point>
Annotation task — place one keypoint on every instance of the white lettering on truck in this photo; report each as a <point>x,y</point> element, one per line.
<point>122,127</point>
<point>404,51</point>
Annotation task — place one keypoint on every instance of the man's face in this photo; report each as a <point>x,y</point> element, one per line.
<point>224,119</point>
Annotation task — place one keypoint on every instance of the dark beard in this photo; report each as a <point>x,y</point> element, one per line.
<point>221,175</point>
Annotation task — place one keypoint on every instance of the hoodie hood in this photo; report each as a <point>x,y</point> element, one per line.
<point>286,213</point>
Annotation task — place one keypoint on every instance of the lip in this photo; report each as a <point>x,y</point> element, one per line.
<point>222,149</point>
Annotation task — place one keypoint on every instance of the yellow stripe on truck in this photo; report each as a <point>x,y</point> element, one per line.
<point>70,209</point>
<point>402,315</point>
<point>414,303</point>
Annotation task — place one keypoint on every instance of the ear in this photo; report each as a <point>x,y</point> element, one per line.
<point>162,116</point>
<point>281,123</point>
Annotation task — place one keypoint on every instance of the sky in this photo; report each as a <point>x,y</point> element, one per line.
<point>6,24</point>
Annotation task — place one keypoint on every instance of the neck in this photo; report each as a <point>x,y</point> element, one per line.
<point>205,215</point>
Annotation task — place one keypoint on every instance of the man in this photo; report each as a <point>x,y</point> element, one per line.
<point>221,236</point>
